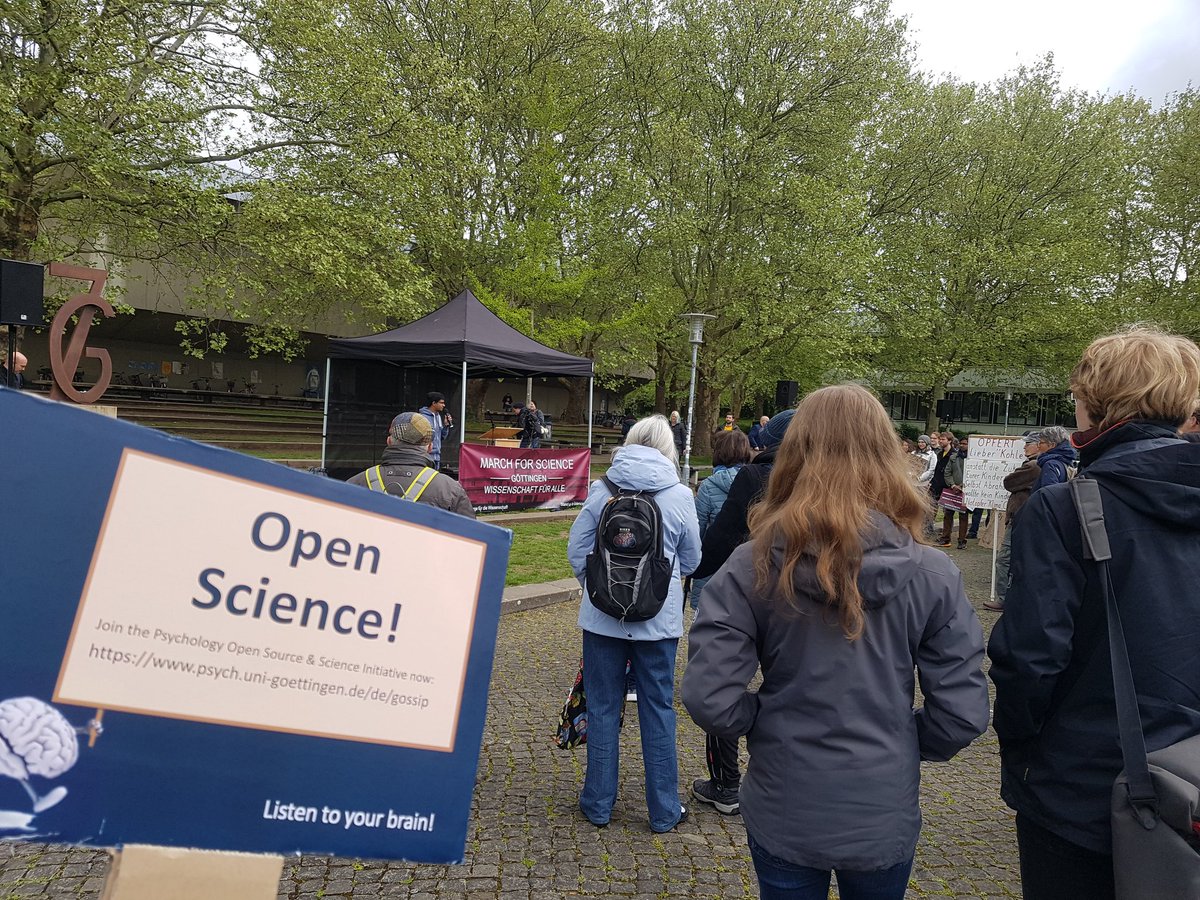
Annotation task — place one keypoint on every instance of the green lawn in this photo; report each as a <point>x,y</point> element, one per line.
<point>539,553</point>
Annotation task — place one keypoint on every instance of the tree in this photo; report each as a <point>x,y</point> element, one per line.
<point>989,208</point>
<point>118,126</point>
<point>1158,230</point>
<point>742,136</point>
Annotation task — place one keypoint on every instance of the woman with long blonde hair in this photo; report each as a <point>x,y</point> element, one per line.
<point>839,602</point>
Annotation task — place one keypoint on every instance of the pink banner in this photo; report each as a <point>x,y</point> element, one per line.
<point>501,478</point>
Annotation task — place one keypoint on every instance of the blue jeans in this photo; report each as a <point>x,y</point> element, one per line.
<point>604,681</point>
<point>1003,556</point>
<point>782,880</point>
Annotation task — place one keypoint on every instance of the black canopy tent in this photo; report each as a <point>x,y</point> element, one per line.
<point>388,372</point>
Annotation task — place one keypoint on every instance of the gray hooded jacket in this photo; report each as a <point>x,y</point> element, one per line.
<point>835,744</point>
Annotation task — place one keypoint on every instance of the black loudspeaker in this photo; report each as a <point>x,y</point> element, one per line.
<point>21,301</point>
<point>950,409</point>
<point>786,394</point>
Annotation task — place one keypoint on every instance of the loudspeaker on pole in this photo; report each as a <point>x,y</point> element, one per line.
<point>786,394</point>
<point>21,300</point>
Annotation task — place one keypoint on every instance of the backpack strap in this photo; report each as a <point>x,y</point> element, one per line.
<point>378,477</point>
<point>616,491</point>
<point>417,488</point>
<point>1085,494</point>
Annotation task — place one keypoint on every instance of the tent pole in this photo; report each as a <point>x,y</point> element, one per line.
<point>325,415</point>
<point>462,422</point>
<point>591,390</point>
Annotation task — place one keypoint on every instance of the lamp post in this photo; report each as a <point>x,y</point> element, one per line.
<point>1007,403</point>
<point>696,325</point>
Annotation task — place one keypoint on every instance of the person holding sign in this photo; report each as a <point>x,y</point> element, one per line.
<point>1019,485</point>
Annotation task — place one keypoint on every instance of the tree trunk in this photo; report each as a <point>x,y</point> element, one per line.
<point>475,402</point>
<point>18,220</point>
<point>577,398</point>
<point>932,421</point>
<point>660,379</point>
<point>706,408</point>
<point>736,402</point>
<point>676,398</point>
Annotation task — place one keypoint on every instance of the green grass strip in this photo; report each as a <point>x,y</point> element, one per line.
<point>539,553</point>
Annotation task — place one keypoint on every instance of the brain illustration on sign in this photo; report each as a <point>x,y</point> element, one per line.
<point>35,740</point>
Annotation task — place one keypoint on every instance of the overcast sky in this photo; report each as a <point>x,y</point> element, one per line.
<point>1152,46</point>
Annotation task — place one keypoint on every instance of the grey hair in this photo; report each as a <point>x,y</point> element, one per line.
<point>654,431</point>
<point>1054,435</point>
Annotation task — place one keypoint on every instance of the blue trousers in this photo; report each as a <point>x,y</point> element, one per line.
<point>604,681</point>
<point>782,880</point>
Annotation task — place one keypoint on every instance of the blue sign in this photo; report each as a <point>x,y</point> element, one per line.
<point>202,649</point>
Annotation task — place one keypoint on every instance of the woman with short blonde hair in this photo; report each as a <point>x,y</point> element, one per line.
<point>1055,709</point>
<point>1139,373</point>
<point>839,603</point>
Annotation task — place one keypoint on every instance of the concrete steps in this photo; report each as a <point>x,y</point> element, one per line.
<point>291,437</point>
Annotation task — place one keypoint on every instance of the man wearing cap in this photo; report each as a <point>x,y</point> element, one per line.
<point>728,530</point>
<point>1019,485</point>
<point>1056,457</point>
<point>406,470</point>
<point>440,422</point>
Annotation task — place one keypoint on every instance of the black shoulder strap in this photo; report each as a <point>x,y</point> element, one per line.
<point>617,491</point>
<point>1085,492</point>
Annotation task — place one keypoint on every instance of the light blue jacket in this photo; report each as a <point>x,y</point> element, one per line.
<point>637,467</point>
<point>714,491</point>
<point>440,432</point>
<point>712,495</point>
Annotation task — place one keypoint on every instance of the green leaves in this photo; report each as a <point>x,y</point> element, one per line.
<point>594,170</point>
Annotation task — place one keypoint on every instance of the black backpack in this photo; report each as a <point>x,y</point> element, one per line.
<point>628,577</point>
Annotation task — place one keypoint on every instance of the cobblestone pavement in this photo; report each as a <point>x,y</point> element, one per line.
<point>528,841</point>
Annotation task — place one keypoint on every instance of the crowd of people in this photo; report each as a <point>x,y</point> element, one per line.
<point>811,564</point>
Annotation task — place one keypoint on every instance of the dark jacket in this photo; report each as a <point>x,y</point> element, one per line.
<point>1019,483</point>
<point>531,421</point>
<point>756,436</point>
<point>728,530</point>
<point>835,745</point>
<point>679,433</point>
<point>1054,711</point>
<point>401,464</point>
<point>937,484</point>
<point>1054,464</point>
<point>1192,436</point>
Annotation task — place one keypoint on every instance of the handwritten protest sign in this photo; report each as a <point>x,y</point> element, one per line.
<point>990,457</point>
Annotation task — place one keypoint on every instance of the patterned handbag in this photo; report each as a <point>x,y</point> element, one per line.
<point>572,725</point>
